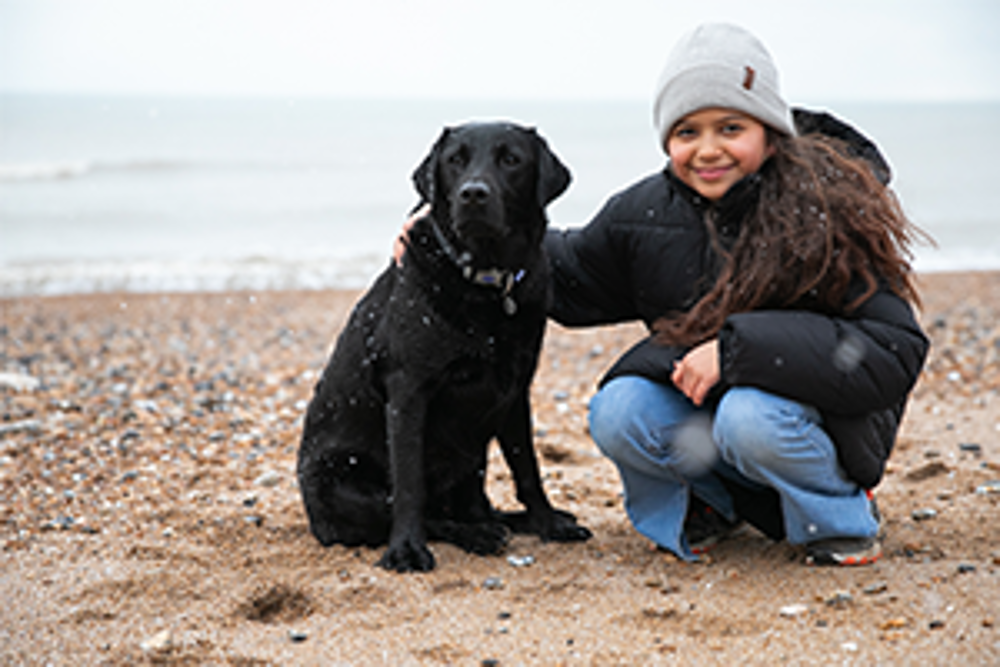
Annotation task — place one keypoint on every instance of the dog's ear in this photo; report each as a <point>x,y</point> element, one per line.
<point>553,176</point>
<point>425,175</point>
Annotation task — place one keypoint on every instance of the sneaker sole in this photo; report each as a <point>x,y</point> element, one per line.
<point>842,561</point>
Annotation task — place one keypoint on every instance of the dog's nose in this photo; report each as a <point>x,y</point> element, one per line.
<point>474,192</point>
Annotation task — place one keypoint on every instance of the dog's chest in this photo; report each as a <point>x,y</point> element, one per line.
<point>471,345</point>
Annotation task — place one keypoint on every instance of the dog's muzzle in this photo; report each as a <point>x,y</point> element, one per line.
<point>477,212</point>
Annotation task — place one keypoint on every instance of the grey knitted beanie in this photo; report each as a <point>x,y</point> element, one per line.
<point>720,65</point>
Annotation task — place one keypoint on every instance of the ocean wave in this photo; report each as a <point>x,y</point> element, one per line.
<point>57,170</point>
<point>257,273</point>
<point>260,273</point>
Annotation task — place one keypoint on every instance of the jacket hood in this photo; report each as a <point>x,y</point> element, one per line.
<point>858,145</point>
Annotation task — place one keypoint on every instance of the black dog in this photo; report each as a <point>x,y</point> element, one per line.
<point>437,359</point>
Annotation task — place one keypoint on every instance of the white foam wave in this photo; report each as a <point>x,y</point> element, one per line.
<point>42,171</point>
<point>72,168</point>
<point>76,277</point>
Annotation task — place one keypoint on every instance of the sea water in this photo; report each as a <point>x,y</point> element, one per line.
<point>151,194</point>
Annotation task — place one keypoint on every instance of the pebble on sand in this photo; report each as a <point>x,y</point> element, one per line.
<point>160,641</point>
<point>268,479</point>
<point>793,610</point>
<point>19,382</point>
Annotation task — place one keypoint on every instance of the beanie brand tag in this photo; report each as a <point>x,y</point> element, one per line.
<point>748,78</point>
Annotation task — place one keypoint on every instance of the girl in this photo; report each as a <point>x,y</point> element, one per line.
<point>768,260</point>
<point>769,263</point>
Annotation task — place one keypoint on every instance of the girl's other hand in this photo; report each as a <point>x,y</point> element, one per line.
<point>399,245</point>
<point>698,371</point>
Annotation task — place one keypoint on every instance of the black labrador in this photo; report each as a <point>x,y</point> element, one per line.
<point>436,360</point>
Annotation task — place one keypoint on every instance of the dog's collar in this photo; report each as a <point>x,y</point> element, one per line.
<point>502,279</point>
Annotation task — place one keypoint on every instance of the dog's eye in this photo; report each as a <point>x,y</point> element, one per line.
<point>457,159</point>
<point>508,159</point>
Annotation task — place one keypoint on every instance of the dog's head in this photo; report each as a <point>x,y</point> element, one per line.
<point>489,183</point>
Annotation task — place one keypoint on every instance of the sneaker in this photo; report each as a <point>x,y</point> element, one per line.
<point>704,527</point>
<point>847,551</point>
<point>843,551</point>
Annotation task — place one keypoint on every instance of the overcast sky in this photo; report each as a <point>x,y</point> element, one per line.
<point>827,50</point>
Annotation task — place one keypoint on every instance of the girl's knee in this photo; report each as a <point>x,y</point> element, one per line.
<point>633,413</point>
<point>751,424</point>
<point>610,417</point>
<point>741,415</point>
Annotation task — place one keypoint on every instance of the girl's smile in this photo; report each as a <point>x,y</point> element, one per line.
<point>713,174</point>
<point>710,150</point>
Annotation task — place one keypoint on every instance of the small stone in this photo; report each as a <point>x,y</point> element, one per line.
<point>493,583</point>
<point>268,479</point>
<point>850,647</point>
<point>64,522</point>
<point>924,514</point>
<point>876,588</point>
<point>19,382</point>
<point>966,568</point>
<point>23,426</point>
<point>521,561</point>
<point>840,600</point>
<point>894,624</point>
<point>298,636</point>
<point>971,447</point>
<point>793,610</point>
<point>989,488</point>
<point>928,471</point>
<point>936,624</point>
<point>158,642</point>
<point>147,405</point>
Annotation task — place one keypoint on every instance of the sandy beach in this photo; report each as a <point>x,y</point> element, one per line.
<point>149,512</point>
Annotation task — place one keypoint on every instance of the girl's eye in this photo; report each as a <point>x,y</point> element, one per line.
<point>732,128</point>
<point>684,133</point>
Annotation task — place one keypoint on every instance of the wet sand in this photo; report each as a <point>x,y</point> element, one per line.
<point>149,513</point>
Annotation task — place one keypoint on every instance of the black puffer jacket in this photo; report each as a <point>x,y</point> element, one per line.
<point>648,253</point>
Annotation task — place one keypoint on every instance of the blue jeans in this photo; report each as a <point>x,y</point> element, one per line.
<point>752,441</point>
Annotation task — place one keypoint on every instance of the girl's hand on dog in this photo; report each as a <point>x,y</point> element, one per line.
<point>399,245</point>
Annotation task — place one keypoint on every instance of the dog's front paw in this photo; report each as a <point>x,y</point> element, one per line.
<point>407,556</point>
<point>564,528</point>
<point>550,526</point>
<point>487,539</point>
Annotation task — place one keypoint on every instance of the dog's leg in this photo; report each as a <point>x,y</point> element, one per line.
<point>463,517</point>
<point>539,516</point>
<point>344,494</point>
<point>405,421</point>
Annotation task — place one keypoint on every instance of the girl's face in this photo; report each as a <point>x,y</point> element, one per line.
<point>712,149</point>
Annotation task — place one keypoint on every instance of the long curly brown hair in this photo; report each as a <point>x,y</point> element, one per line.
<point>822,221</point>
